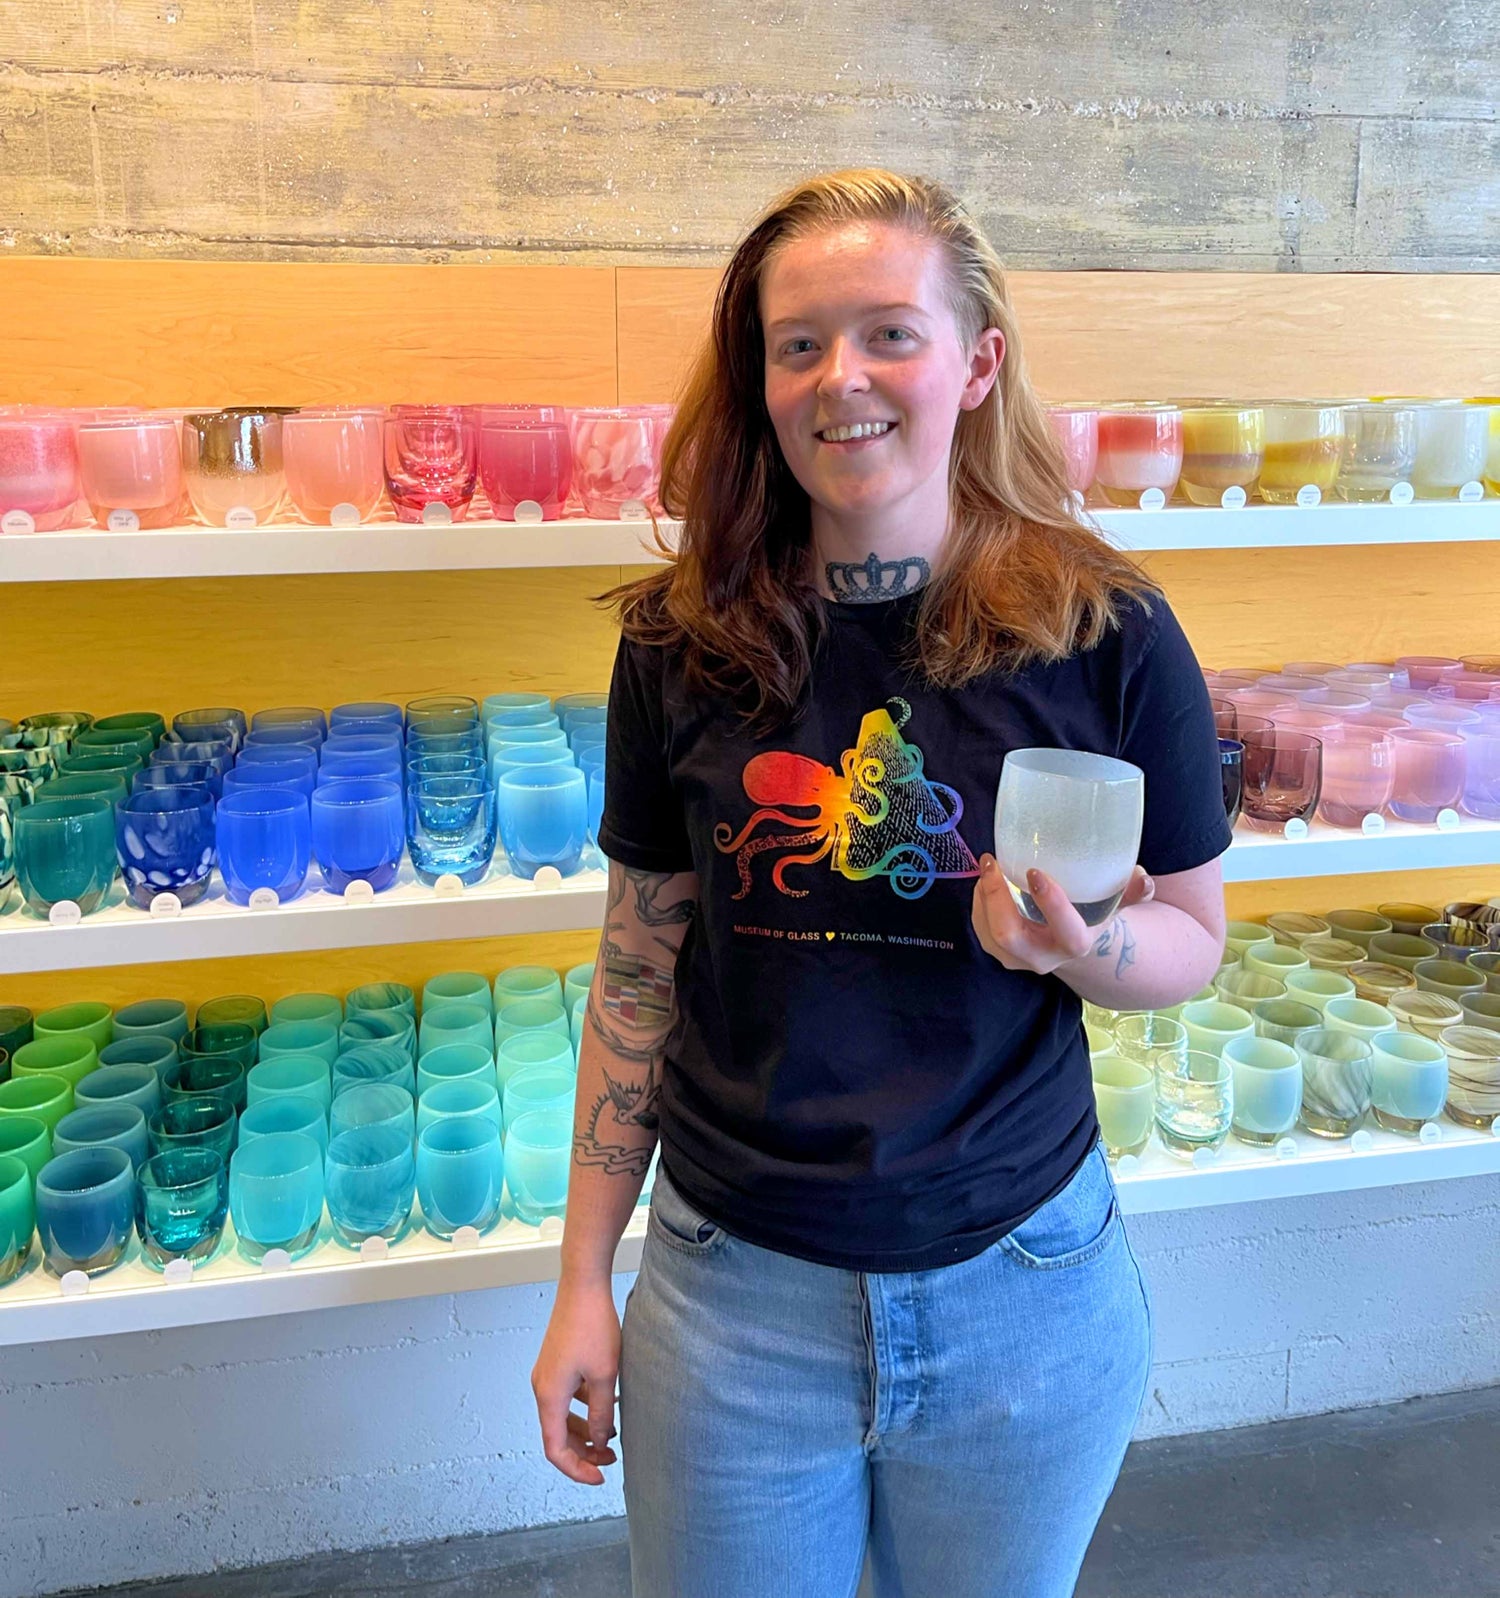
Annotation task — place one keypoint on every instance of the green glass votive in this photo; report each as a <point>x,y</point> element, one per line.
<point>17,1215</point>
<point>27,1138</point>
<point>1242,936</point>
<point>1210,1024</point>
<point>1125,1098</point>
<point>576,983</point>
<point>1277,960</point>
<point>47,1098</point>
<point>96,1022</point>
<point>1315,987</point>
<point>1410,1082</point>
<point>309,1007</point>
<point>526,982</point>
<point>135,725</point>
<point>71,1057</point>
<point>1267,1079</point>
<point>15,1031</point>
<point>454,1023</point>
<point>152,1018</point>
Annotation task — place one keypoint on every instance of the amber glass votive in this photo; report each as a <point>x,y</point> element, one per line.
<point>132,465</point>
<point>334,470</point>
<point>1304,446</point>
<point>1140,447</point>
<point>1222,446</point>
<point>1380,450</point>
<point>232,464</point>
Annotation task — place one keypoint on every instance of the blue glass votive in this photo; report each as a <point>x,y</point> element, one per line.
<point>160,1053</point>
<point>164,838</point>
<point>373,1062</point>
<point>181,774</point>
<point>276,1194</point>
<point>380,1026</point>
<point>286,1112</point>
<point>204,1121</point>
<point>376,710</point>
<point>372,1181</point>
<point>514,700</point>
<point>139,1085</point>
<point>300,756</point>
<point>264,841</point>
<point>85,1209</point>
<point>373,1104</point>
<point>115,1126</point>
<point>460,1174</point>
<point>302,1075</point>
<point>181,1202</point>
<point>543,816</point>
<point>188,724</point>
<point>450,828</point>
<point>290,716</point>
<point>271,774</point>
<point>217,754</point>
<point>358,832</point>
<point>538,1149</point>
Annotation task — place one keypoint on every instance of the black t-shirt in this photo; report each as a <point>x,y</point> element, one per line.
<point>852,1079</point>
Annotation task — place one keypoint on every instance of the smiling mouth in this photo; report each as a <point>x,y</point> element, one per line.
<point>854,432</point>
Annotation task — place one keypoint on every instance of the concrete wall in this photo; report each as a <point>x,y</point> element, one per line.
<point>1351,135</point>
<point>176,1452</point>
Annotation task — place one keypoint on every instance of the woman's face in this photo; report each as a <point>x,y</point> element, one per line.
<point>859,330</point>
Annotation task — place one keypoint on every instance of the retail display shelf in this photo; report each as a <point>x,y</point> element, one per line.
<point>1342,851</point>
<point>95,554</point>
<point>131,1298</point>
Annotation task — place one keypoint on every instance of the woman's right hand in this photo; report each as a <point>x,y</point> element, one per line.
<point>580,1358</point>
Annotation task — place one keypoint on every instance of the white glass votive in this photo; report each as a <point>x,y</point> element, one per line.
<point>1267,1088</point>
<point>1410,1082</point>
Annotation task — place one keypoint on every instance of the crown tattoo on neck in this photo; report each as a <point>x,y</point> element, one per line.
<point>873,580</point>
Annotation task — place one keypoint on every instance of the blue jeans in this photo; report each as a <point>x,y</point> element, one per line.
<point>964,1425</point>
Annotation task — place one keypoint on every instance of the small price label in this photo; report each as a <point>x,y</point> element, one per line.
<point>166,905</point>
<point>1286,1149</point>
<point>177,1271</point>
<point>1295,829</point>
<point>1309,495</point>
<point>1362,1140</point>
<point>436,514</point>
<point>1431,1132</point>
<point>1233,497</point>
<point>1152,499</point>
<point>65,913</point>
<point>466,1237</point>
<point>527,510</point>
<point>276,1259</point>
<point>239,518</point>
<point>551,1229</point>
<point>358,892</point>
<point>1447,820</point>
<point>634,510</point>
<point>344,515</point>
<point>448,886</point>
<point>17,521</point>
<point>1471,493</point>
<point>123,521</point>
<point>265,899</point>
<point>1373,823</point>
<point>547,878</point>
<point>1402,493</point>
<point>374,1248</point>
<point>73,1284</point>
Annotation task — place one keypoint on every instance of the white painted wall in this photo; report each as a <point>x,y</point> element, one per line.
<point>174,1452</point>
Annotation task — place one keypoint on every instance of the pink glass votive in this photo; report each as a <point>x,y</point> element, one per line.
<point>1474,685</point>
<point>232,465</point>
<point>39,468</point>
<point>1308,668</point>
<point>1449,716</point>
<point>1341,701</point>
<point>1320,723</point>
<point>132,466</point>
<point>522,459</point>
<point>1282,682</point>
<point>1381,720</point>
<point>1388,698</point>
<point>1358,770</point>
<point>1366,675</point>
<point>614,460</point>
<point>431,461</point>
<point>1482,771</point>
<point>1140,447</point>
<point>1078,433</point>
<point>334,470</point>
<point>1426,671</point>
<point>1429,774</point>
<point>1257,702</point>
<point>1282,778</point>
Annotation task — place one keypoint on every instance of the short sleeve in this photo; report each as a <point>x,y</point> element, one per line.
<point>1167,729</point>
<point>643,825</point>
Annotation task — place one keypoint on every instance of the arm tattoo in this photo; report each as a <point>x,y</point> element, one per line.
<point>872,579</point>
<point>619,1107</point>
<point>1117,939</point>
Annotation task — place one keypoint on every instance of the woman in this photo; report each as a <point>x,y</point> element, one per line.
<point>887,1302</point>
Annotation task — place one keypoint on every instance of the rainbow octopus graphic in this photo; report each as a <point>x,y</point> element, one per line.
<point>878,816</point>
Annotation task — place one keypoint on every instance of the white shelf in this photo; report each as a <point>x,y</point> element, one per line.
<point>1343,851</point>
<point>133,1298</point>
<point>387,546</point>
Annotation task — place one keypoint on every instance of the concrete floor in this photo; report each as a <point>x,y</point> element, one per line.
<point>1399,1502</point>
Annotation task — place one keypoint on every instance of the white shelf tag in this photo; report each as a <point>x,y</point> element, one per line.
<point>1233,497</point>
<point>466,1237</point>
<point>1362,1140</point>
<point>634,510</point>
<point>448,886</point>
<point>123,521</point>
<point>177,1271</point>
<point>551,1229</point>
<point>374,1248</point>
<point>527,510</point>
<point>166,905</point>
<point>265,899</point>
<point>1309,494</point>
<point>275,1259</point>
<point>344,515</point>
<point>1373,824</point>
<point>1402,493</point>
<point>1205,1159</point>
<point>1471,493</point>
<point>358,892</point>
<point>74,1284</point>
<point>547,879</point>
<point>436,514</point>
<point>1126,1166</point>
<point>1447,820</point>
<point>17,521</point>
<point>1152,499</point>
<point>1286,1149</point>
<point>1295,829</point>
<point>239,518</point>
<point>1431,1132</point>
<point>65,913</point>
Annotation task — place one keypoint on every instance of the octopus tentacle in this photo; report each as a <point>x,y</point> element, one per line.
<point>778,870</point>
<point>770,841</point>
<point>953,820</point>
<point>727,844</point>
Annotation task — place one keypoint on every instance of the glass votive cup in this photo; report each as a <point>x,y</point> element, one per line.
<point>454,1023</point>
<point>1404,949</point>
<point>615,465</point>
<point>1245,989</point>
<point>39,469</point>
<point>1408,919</point>
<point>1147,1037</point>
<point>1314,986</point>
<point>1359,770</point>
<point>181,1204</point>
<point>292,775</point>
<point>232,465</point>
<point>1231,780</point>
<point>1125,1101</point>
<point>1452,439</point>
<point>61,854</point>
<point>515,700</point>
<point>1380,450</point>
<point>1267,1089</point>
<point>85,1209</point>
<point>366,710</point>
<point>1357,926</point>
<point>538,1153</point>
<point>530,1015</point>
<point>1455,941</point>
<point>17,1216</point>
<point>1410,1081</point>
<point>462,1096</point>
<point>116,1126</point>
<point>1210,1024</point>
<point>1447,978</point>
<point>286,1112</point>
<point>358,832</point>
<point>1275,960</point>
<point>71,1056</point>
<point>1222,446</point>
<point>431,461</point>
<point>374,1062</point>
<point>576,984</point>
<point>1304,447</point>
<point>1285,1020</point>
<point>208,722</point>
<point>26,1138</point>
<point>1294,927</point>
<point>457,987</point>
<point>374,997</point>
<point>525,460</point>
<point>164,840</point>
<point>1429,773</point>
<point>1428,1014</point>
<point>164,1018</point>
<point>309,1007</point>
<point>543,818</point>
<point>1337,1076</point>
<point>450,828</point>
<point>137,1085</point>
<point>1481,795</point>
<point>17,1027</point>
<point>83,1018</point>
<point>537,1087</point>
<point>1361,1018</point>
<point>46,1098</point>
<point>317,1038</point>
<point>264,840</point>
<point>1485,961</point>
<point>1481,1008</point>
<point>526,1049</point>
<point>334,463</point>
<point>439,710</point>
<point>526,982</point>
<point>372,1181</point>
<point>276,1194</point>
<point>1283,775</point>
<point>1377,982</point>
<point>1140,448</point>
<point>378,1026</point>
<point>368,1104</point>
<point>1242,936</point>
<point>460,1173</point>
<point>1326,953</point>
<point>1473,1074</point>
<point>455,1062</point>
<point>1077,433</point>
<point>131,471</point>
<point>304,1075</point>
<point>1194,1101</point>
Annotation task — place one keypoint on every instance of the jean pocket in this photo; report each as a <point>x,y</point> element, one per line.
<point>1073,1226</point>
<point>678,1224</point>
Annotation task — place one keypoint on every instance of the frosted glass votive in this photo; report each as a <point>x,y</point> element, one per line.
<point>1410,1082</point>
<point>1267,1088</point>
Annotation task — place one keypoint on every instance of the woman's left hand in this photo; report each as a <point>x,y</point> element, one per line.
<point>1023,945</point>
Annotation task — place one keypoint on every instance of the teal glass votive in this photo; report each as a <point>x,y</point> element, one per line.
<point>16,1029</point>
<point>531,1015</point>
<point>28,1139</point>
<point>537,1087</point>
<point>1410,1080</point>
<point>228,1040</point>
<point>460,1174</point>
<point>17,1215</point>
<point>45,1096</point>
<point>286,1112</point>
<point>160,1053</point>
<point>373,1104</point>
<point>372,1182</point>
<point>152,1018</point>
<point>538,1153</point>
<point>276,1194</point>
<point>203,1121</point>
<point>1267,1082</point>
<point>304,1075</point>
<point>65,849</point>
<point>526,982</point>
<point>454,1062</point>
<point>120,1084</point>
<point>457,987</point>
<point>93,1021</point>
<point>530,1049</point>
<point>211,1076</point>
<point>320,1038</point>
<point>115,1126</point>
<point>576,984</point>
<point>380,996</point>
<point>1337,1079</point>
<point>309,1007</point>
<point>454,1023</point>
<point>181,1203</point>
<point>379,1026</point>
<point>85,1210</point>
<point>373,1062</point>
<point>577,1019</point>
<point>231,1010</point>
<point>466,1096</point>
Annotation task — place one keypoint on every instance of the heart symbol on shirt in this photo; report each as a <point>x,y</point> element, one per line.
<point>830,936</point>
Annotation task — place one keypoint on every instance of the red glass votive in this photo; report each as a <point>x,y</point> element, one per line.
<point>1359,768</point>
<point>614,460</point>
<point>1429,775</point>
<point>431,460</point>
<point>525,458</point>
<point>39,468</point>
<point>1140,447</point>
<point>132,466</point>
<point>334,463</point>
<point>1078,433</point>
